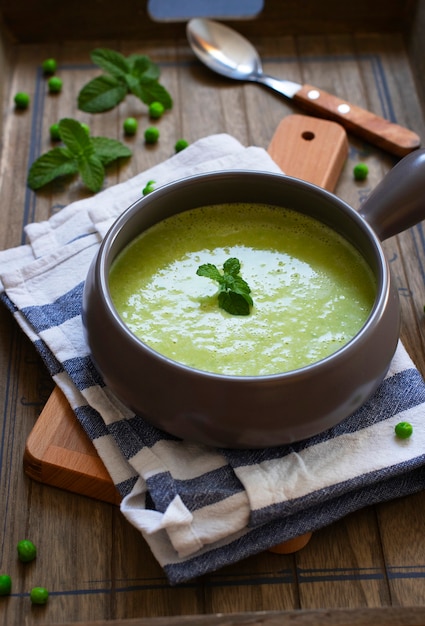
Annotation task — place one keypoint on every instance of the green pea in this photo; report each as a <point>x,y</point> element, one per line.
<point>156,110</point>
<point>151,134</point>
<point>86,127</point>
<point>360,171</point>
<point>26,550</point>
<point>49,66</point>
<point>181,144</point>
<point>5,585</point>
<point>149,187</point>
<point>54,132</point>
<point>39,595</point>
<point>55,84</point>
<point>403,430</point>
<point>130,126</point>
<point>22,100</point>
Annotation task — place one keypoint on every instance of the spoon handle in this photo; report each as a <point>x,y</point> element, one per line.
<point>377,130</point>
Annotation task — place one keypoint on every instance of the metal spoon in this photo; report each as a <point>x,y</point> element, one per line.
<point>226,52</point>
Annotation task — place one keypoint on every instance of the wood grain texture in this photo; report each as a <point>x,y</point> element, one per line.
<point>338,617</point>
<point>367,568</point>
<point>311,149</point>
<point>27,22</point>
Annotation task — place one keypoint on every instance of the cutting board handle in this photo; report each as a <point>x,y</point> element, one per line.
<point>309,148</point>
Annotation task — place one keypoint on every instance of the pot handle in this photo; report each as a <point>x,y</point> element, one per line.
<point>398,202</point>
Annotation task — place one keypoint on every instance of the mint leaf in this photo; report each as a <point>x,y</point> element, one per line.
<point>92,172</point>
<point>240,286</point>
<point>83,154</point>
<point>151,91</point>
<point>75,137</point>
<point>141,65</point>
<point>233,303</point>
<point>135,74</point>
<point>234,292</point>
<point>51,165</point>
<point>210,271</point>
<point>111,61</point>
<point>102,94</point>
<point>232,266</point>
<point>109,150</point>
<point>133,83</point>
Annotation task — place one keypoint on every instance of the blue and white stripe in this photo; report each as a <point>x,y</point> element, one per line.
<point>201,508</point>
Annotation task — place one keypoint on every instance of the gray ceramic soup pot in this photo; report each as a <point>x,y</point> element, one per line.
<point>256,411</point>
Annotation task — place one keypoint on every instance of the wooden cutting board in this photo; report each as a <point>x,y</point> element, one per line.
<point>58,452</point>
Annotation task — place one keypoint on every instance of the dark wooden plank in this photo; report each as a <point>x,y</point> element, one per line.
<point>399,520</point>
<point>339,617</point>
<point>344,564</point>
<point>30,22</point>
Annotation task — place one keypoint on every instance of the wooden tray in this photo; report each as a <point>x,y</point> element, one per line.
<point>58,452</point>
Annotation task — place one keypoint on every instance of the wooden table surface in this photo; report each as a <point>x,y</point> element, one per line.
<point>368,568</point>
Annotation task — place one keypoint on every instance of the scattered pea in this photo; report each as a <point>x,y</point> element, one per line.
<point>39,595</point>
<point>151,134</point>
<point>156,110</point>
<point>181,144</point>
<point>86,127</point>
<point>360,171</point>
<point>49,66</point>
<point>22,100</point>
<point>54,132</point>
<point>149,187</point>
<point>130,126</point>
<point>403,430</point>
<point>26,550</point>
<point>55,84</point>
<point>5,585</point>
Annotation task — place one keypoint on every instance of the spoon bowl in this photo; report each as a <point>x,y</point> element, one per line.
<point>228,53</point>
<point>224,51</point>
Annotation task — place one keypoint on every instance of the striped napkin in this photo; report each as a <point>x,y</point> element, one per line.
<point>200,508</point>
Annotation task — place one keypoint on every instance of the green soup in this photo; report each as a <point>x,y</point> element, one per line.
<point>312,290</point>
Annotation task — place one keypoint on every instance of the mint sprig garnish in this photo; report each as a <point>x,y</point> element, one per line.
<point>135,74</point>
<point>81,154</point>
<point>234,292</point>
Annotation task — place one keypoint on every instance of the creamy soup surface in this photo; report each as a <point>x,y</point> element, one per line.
<point>312,290</point>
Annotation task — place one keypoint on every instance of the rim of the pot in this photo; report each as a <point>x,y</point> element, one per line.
<point>123,223</point>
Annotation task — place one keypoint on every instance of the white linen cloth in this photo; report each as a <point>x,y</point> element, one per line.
<point>200,508</point>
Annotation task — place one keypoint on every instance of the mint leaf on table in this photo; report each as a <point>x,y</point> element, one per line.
<point>55,163</point>
<point>82,154</point>
<point>92,172</point>
<point>109,150</point>
<point>135,74</point>
<point>234,292</point>
<point>152,91</point>
<point>75,137</point>
<point>102,94</point>
<point>111,61</point>
<point>142,66</point>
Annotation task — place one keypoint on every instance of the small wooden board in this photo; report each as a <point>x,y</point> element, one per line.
<point>58,452</point>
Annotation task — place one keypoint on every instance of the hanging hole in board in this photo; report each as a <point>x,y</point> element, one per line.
<point>308,135</point>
